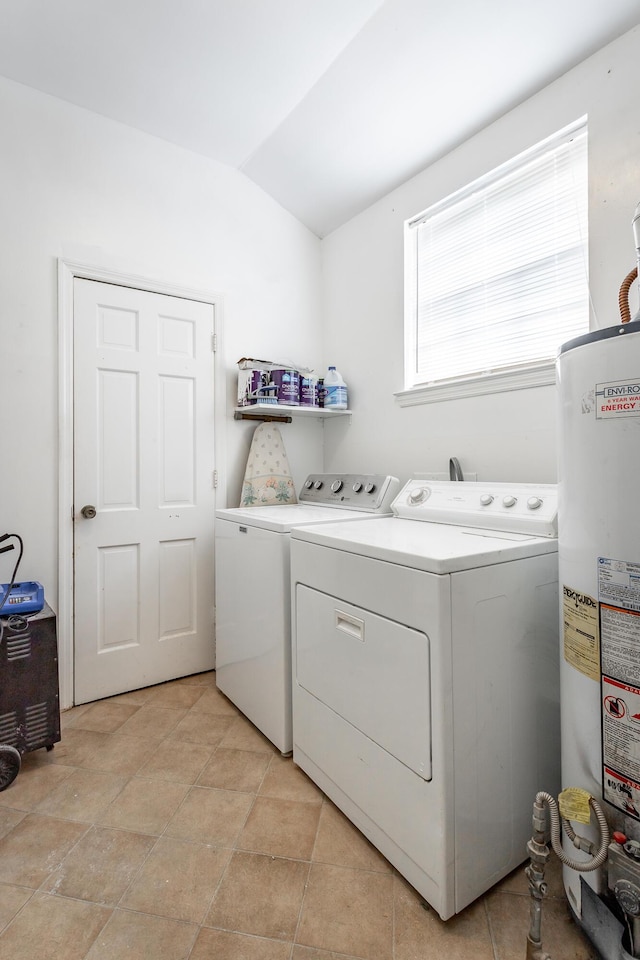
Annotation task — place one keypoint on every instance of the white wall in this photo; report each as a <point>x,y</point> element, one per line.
<point>504,436</point>
<point>78,186</point>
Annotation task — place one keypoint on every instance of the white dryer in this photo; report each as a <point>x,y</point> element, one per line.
<point>253,600</point>
<point>426,677</point>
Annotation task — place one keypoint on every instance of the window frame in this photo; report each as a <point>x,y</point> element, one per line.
<point>506,378</point>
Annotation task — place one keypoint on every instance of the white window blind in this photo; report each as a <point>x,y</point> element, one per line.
<point>497,274</point>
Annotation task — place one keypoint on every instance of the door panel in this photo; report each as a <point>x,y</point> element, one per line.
<point>177,441</point>
<point>143,455</point>
<point>118,576</point>
<point>371,671</point>
<point>118,416</point>
<point>177,588</point>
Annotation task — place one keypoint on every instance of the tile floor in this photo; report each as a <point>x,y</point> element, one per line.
<point>164,826</point>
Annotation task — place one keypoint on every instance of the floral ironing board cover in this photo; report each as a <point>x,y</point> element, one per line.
<point>267,479</point>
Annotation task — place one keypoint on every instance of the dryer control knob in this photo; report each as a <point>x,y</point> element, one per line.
<point>486,499</point>
<point>418,495</point>
<point>370,488</point>
<point>318,485</point>
<point>534,502</point>
<point>308,484</point>
<point>357,487</point>
<point>509,501</point>
<point>336,485</point>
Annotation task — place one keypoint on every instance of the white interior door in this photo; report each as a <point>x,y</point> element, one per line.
<point>143,458</point>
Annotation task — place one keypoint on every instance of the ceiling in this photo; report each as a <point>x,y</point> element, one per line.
<point>325,104</point>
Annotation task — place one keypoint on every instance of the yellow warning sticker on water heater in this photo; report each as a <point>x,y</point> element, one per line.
<point>574,805</point>
<point>581,637</point>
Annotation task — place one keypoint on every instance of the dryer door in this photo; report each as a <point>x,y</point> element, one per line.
<point>372,671</point>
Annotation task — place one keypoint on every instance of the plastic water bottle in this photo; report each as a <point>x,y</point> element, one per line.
<point>335,391</point>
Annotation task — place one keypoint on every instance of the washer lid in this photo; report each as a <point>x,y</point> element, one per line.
<point>434,547</point>
<point>282,518</point>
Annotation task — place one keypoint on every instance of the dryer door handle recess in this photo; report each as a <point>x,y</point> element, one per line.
<point>352,626</point>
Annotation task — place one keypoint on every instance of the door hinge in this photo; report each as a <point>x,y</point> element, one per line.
<point>214,342</point>
<point>215,479</point>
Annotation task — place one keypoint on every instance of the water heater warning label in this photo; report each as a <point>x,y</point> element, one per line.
<point>580,632</point>
<point>621,740</point>
<point>619,610</point>
<point>620,632</point>
<point>619,583</point>
<point>620,398</point>
<point>621,792</point>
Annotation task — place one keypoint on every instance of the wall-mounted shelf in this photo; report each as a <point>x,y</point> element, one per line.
<point>281,413</point>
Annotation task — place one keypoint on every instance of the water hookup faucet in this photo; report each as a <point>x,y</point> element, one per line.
<point>455,470</point>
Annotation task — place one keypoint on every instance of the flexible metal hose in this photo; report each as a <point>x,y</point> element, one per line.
<point>623,296</point>
<point>556,842</point>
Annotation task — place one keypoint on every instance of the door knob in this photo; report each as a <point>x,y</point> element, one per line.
<point>88,512</point>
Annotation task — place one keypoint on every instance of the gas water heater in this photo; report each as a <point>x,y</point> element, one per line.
<point>599,567</point>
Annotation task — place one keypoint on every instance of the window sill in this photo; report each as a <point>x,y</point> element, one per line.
<point>538,375</point>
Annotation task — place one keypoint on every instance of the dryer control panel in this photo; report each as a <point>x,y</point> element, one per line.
<point>372,493</point>
<point>529,508</point>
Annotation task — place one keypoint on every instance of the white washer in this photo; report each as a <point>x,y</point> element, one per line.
<point>425,677</point>
<point>253,600</point>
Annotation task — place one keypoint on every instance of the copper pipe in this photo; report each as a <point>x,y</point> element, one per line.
<point>623,296</point>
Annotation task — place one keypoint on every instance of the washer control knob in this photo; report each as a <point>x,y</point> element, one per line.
<point>308,483</point>
<point>336,485</point>
<point>486,499</point>
<point>318,485</point>
<point>357,487</point>
<point>509,501</point>
<point>418,495</point>
<point>369,487</point>
<point>534,502</point>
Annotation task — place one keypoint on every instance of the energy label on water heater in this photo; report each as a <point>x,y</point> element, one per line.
<point>619,615</point>
<point>620,398</point>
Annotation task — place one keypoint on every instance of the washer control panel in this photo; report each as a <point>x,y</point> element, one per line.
<point>372,493</point>
<point>526,508</point>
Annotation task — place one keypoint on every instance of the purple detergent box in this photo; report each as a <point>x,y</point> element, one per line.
<point>288,384</point>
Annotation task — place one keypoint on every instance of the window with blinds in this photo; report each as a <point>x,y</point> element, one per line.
<point>497,273</point>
